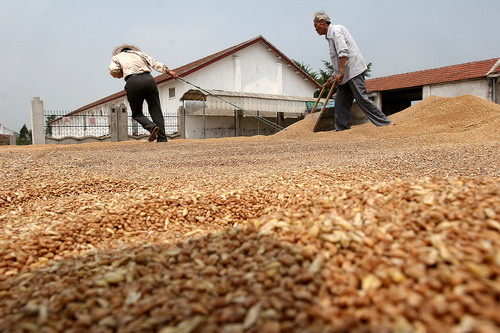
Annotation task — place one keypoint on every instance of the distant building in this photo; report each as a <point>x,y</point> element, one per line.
<point>7,136</point>
<point>254,73</point>
<point>397,92</point>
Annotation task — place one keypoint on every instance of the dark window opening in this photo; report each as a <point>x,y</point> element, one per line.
<point>398,100</point>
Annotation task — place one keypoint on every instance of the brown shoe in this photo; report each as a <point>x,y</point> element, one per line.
<point>154,134</point>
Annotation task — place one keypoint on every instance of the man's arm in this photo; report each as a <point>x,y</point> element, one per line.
<point>115,69</point>
<point>340,75</point>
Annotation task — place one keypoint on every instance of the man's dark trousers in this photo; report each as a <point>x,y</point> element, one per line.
<point>142,88</point>
<point>355,88</point>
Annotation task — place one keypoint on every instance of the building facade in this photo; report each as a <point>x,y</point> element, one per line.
<point>254,66</point>
<point>397,92</point>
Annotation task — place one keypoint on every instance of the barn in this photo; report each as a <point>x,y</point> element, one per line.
<point>397,92</point>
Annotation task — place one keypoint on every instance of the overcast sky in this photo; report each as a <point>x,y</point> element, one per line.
<point>59,50</point>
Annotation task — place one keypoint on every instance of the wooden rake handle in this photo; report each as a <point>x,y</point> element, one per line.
<point>317,101</point>
<point>330,93</point>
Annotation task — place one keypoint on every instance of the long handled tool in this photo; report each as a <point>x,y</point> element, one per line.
<point>317,101</point>
<point>319,122</point>
<point>330,93</point>
<point>264,120</point>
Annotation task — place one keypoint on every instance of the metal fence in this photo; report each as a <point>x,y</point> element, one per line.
<point>61,124</point>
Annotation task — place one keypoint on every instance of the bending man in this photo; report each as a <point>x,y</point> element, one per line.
<point>348,68</point>
<point>128,61</point>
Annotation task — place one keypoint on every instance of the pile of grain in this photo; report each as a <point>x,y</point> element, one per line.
<point>435,119</point>
<point>299,130</point>
<point>436,111</point>
<point>372,229</point>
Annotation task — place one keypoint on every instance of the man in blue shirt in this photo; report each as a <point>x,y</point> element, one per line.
<point>348,68</point>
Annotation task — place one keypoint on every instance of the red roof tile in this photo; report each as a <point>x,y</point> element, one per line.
<point>203,62</point>
<point>467,71</point>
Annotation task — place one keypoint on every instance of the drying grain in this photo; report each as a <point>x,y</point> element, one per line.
<point>373,229</point>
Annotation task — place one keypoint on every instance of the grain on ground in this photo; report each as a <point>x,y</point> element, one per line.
<point>371,229</point>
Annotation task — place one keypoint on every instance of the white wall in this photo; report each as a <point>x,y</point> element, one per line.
<point>497,90</point>
<point>479,88</point>
<point>253,69</point>
<point>259,73</point>
<point>224,126</point>
<point>6,131</point>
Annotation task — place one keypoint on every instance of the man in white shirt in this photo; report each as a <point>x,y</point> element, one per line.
<point>348,68</point>
<point>135,66</point>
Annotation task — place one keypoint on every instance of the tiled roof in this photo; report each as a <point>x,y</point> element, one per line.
<point>203,62</point>
<point>467,71</point>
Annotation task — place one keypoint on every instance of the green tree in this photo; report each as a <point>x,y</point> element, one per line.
<point>308,69</point>
<point>368,70</point>
<point>24,136</point>
<point>324,74</point>
<point>48,127</point>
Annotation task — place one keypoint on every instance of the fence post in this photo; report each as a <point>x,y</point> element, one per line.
<point>113,123</point>
<point>181,116</point>
<point>122,123</point>
<point>37,122</point>
<point>238,122</point>
<point>280,119</point>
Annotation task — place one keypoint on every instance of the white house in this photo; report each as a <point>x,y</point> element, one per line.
<point>255,66</point>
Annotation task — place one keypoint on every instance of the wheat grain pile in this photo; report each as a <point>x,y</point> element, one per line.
<point>392,229</point>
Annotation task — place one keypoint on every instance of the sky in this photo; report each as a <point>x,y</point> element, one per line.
<point>59,50</point>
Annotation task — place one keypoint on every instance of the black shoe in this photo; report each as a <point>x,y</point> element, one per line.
<point>154,134</point>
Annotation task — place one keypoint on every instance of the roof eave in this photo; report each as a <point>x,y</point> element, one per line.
<point>427,84</point>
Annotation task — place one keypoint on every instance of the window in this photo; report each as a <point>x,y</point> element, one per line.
<point>171,92</point>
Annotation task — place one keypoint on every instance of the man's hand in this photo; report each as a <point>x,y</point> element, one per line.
<point>118,74</point>
<point>334,79</point>
<point>174,74</point>
<point>340,77</point>
<point>331,80</point>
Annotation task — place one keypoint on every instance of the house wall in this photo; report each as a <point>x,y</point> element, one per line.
<point>225,126</point>
<point>253,70</point>
<point>229,123</point>
<point>479,88</point>
<point>496,87</point>
<point>215,127</point>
